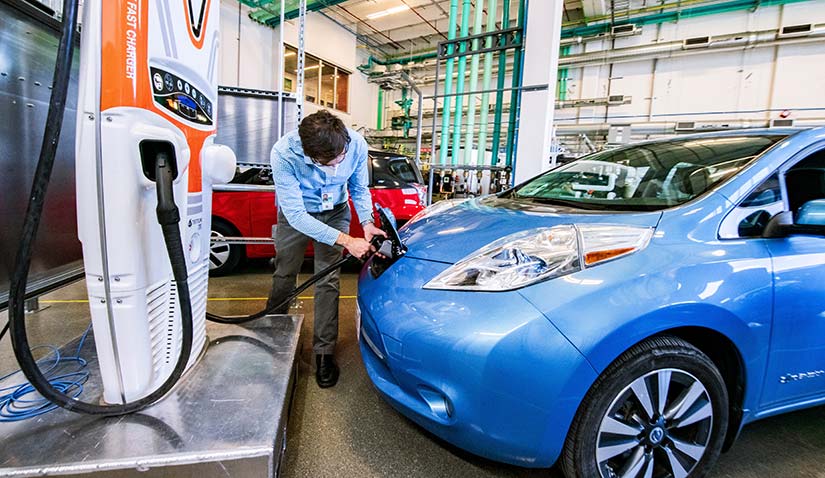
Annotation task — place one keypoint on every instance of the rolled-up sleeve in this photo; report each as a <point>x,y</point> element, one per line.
<point>359,182</point>
<point>291,202</point>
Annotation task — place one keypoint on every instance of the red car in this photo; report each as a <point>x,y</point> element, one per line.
<point>242,209</point>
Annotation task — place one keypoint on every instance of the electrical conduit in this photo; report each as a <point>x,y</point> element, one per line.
<point>471,111</point>
<point>448,87</point>
<point>515,94</point>
<point>492,10</point>
<point>459,88</point>
<point>502,66</point>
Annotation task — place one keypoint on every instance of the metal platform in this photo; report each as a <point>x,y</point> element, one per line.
<point>228,417</point>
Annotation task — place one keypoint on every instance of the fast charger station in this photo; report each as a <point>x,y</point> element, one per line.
<point>148,100</point>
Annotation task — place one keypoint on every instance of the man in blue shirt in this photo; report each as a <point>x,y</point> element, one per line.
<point>313,169</point>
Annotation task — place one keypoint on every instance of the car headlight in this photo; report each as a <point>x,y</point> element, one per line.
<point>436,208</point>
<point>528,257</point>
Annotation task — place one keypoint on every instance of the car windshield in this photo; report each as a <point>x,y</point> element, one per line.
<point>649,176</point>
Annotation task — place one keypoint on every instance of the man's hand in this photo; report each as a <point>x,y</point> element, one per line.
<point>356,246</point>
<point>371,231</point>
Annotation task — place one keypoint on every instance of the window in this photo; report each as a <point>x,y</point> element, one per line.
<point>647,176</point>
<point>325,84</point>
<point>394,172</point>
<point>752,215</point>
<point>804,181</point>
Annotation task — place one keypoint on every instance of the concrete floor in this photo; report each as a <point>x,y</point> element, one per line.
<point>349,431</point>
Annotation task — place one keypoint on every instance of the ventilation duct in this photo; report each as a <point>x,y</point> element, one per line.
<point>625,30</point>
<point>697,42</point>
<point>781,123</point>
<point>791,31</point>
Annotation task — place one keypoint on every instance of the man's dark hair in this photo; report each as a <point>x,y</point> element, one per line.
<point>323,136</point>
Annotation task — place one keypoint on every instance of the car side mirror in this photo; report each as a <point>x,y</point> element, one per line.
<point>810,220</point>
<point>812,214</point>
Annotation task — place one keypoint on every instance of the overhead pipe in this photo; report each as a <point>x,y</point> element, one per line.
<point>572,35</point>
<point>448,87</point>
<point>471,106</point>
<point>492,9</point>
<point>459,88</point>
<point>675,15</point>
<point>269,18</point>
<point>721,43</point>
<point>502,65</point>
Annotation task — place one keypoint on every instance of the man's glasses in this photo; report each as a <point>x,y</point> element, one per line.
<point>337,159</point>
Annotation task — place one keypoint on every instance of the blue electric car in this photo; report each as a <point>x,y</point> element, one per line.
<point>624,314</point>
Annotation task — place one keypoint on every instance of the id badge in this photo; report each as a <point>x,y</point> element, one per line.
<point>327,200</point>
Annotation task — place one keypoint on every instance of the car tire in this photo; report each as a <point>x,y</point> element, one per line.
<point>223,258</point>
<point>623,428</point>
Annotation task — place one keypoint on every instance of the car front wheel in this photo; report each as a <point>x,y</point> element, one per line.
<point>659,411</point>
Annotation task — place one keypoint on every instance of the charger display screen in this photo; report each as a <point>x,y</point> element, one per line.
<point>179,97</point>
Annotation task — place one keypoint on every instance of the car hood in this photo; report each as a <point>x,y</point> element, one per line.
<point>451,235</point>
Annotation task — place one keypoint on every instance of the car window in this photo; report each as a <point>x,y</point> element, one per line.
<point>752,215</point>
<point>394,172</point>
<point>805,181</point>
<point>404,170</point>
<point>256,176</point>
<point>647,176</point>
<point>766,193</point>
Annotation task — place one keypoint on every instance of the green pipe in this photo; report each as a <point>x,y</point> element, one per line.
<point>380,122</point>
<point>471,99</point>
<point>492,9</point>
<point>502,65</point>
<point>448,87</point>
<point>515,95</point>
<point>561,94</point>
<point>396,61</point>
<point>269,11</point>
<point>459,88</point>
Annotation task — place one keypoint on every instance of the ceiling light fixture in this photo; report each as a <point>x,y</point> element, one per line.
<point>389,11</point>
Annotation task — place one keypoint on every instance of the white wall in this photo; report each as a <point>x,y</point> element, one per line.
<point>749,86</point>
<point>250,57</point>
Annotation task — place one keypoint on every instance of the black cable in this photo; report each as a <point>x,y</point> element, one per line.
<point>241,319</point>
<point>167,215</point>
<point>389,247</point>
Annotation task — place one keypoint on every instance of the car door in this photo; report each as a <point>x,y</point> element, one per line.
<point>796,364</point>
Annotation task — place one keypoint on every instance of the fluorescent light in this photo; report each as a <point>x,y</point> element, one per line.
<point>289,53</point>
<point>389,11</point>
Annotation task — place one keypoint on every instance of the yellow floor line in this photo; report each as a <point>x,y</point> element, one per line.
<point>211,299</point>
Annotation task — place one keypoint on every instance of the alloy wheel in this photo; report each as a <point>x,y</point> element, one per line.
<point>659,426</point>
<point>218,251</point>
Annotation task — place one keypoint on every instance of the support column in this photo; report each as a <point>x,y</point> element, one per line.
<point>541,63</point>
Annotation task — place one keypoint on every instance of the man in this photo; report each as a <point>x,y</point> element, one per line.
<point>313,167</point>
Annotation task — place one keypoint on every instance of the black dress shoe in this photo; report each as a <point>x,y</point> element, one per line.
<point>326,372</point>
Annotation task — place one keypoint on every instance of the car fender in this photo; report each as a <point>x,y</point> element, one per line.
<point>681,316</point>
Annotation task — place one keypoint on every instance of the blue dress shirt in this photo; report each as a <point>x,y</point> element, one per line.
<point>299,183</point>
